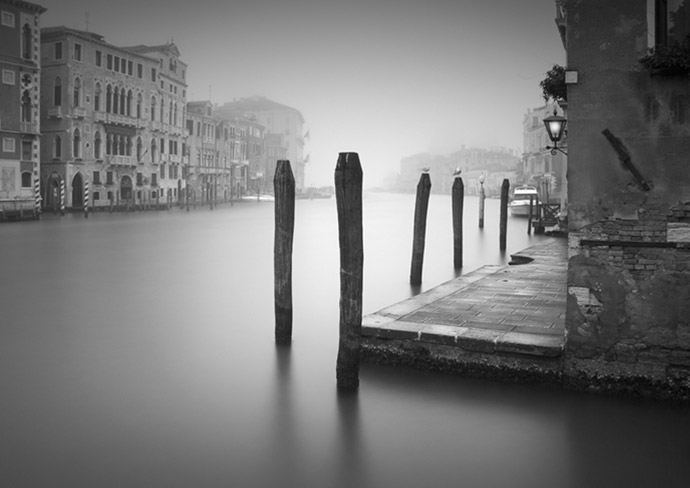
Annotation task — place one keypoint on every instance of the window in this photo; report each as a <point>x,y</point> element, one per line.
<point>27,149</point>
<point>26,179</point>
<point>162,145</point>
<point>26,107</point>
<point>96,177</point>
<point>130,66</point>
<point>57,92</point>
<point>99,58</point>
<point>153,74</point>
<point>153,108</point>
<point>97,144</point>
<point>140,179</point>
<point>76,97</point>
<point>109,61</point>
<point>96,194</point>
<point>77,52</point>
<point>8,77</point>
<point>116,64</point>
<point>7,19</point>
<point>108,177</point>
<point>672,22</point>
<point>57,147</point>
<point>140,70</point>
<point>153,150</point>
<point>139,102</point>
<point>162,171</point>
<point>139,149</point>
<point>27,35</point>
<point>154,179</point>
<point>97,97</point>
<point>8,144</point>
<point>76,144</point>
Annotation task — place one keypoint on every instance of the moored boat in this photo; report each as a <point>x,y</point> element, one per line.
<point>519,206</point>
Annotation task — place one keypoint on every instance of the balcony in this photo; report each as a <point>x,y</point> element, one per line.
<point>29,127</point>
<point>156,125</point>
<point>55,112</point>
<point>122,160</point>
<point>78,112</point>
<point>99,117</point>
<point>122,120</point>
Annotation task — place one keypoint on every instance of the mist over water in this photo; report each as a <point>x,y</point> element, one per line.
<point>137,350</point>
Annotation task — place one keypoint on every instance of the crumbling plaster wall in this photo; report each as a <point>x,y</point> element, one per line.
<point>628,312</point>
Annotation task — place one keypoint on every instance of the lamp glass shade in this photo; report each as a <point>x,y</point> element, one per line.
<point>555,126</point>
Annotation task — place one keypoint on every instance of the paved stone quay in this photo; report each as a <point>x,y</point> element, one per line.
<point>504,320</point>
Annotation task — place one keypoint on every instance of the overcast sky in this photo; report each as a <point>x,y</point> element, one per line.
<point>384,78</point>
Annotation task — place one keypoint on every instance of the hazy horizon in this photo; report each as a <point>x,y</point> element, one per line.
<point>384,78</point>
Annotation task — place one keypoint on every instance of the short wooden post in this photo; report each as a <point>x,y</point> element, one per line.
<point>505,188</point>
<point>458,196</point>
<point>482,196</point>
<point>348,194</point>
<point>529,217</point>
<point>418,239</point>
<point>284,190</point>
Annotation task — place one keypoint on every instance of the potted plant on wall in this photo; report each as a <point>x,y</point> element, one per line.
<point>553,86</point>
<point>668,60</point>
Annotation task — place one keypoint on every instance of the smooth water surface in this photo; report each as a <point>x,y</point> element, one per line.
<point>136,350</point>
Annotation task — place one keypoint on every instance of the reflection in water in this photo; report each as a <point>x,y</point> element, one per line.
<point>138,350</point>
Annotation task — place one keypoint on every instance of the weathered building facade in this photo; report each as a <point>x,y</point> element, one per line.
<point>113,119</point>
<point>628,311</point>
<point>20,99</point>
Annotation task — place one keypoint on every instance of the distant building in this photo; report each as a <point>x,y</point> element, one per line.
<point>276,118</point>
<point>19,99</point>
<point>112,116</point>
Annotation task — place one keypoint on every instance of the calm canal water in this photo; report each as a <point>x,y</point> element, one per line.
<point>136,350</point>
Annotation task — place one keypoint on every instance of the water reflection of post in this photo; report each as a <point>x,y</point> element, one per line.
<point>284,459</point>
<point>350,471</point>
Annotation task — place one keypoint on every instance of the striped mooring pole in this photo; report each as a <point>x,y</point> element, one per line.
<point>86,199</point>
<point>62,196</point>
<point>37,196</point>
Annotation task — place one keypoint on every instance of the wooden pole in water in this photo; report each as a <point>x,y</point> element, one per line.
<point>529,217</point>
<point>482,196</point>
<point>348,195</point>
<point>420,211</point>
<point>505,188</point>
<point>458,195</point>
<point>284,190</point>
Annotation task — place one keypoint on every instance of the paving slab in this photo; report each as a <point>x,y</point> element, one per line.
<point>513,310</point>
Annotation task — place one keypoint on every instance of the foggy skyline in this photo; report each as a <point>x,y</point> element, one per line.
<point>383,78</point>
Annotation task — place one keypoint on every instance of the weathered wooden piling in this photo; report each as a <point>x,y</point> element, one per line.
<point>348,194</point>
<point>458,196</point>
<point>284,190</point>
<point>529,216</point>
<point>420,210</point>
<point>482,197</point>
<point>505,188</point>
<point>86,199</point>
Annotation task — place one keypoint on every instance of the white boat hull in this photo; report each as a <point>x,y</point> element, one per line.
<point>519,209</point>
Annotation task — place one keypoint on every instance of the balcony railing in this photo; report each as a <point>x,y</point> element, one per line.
<point>29,127</point>
<point>78,112</point>
<point>99,116</point>
<point>122,160</point>
<point>55,112</point>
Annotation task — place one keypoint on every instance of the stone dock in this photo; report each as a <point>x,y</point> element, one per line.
<point>504,322</point>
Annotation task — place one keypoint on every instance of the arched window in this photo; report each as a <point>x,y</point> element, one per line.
<point>129,146</point>
<point>57,147</point>
<point>26,106</point>
<point>26,179</point>
<point>129,103</point>
<point>153,108</point>
<point>97,145</point>
<point>175,116</point>
<point>123,102</point>
<point>108,98</point>
<point>162,111</point>
<point>116,100</point>
<point>26,41</point>
<point>97,97</point>
<point>76,144</point>
<point>77,92</point>
<point>57,92</point>
<point>108,144</point>
<point>170,113</point>
<point>139,146</point>
<point>139,106</point>
<point>121,148</point>
<point>153,150</point>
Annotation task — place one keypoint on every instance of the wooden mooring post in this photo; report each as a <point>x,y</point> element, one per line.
<point>348,195</point>
<point>420,210</point>
<point>458,196</point>
<point>284,190</point>
<point>529,216</point>
<point>482,197</point>
<point>505,188</point>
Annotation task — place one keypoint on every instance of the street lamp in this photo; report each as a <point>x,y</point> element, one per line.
<point>555,128</point>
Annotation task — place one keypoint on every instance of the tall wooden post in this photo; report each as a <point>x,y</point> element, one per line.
<point>529,216</point>
<point>348,194</point>
<point>284,190</point>
<point>86,199</point>
<point>505,188</point>
<point>482,197</point>
<point>420,210</point>
<point>458,196</point>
